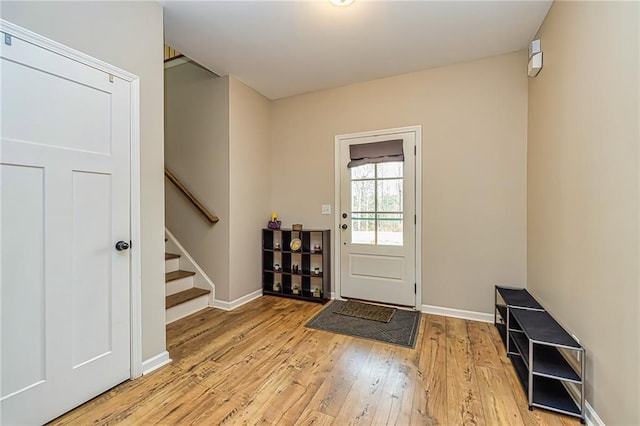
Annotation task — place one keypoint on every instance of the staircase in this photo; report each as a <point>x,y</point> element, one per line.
<point>182,297</point>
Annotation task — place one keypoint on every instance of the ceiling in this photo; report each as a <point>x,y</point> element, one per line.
<point>291,47</point>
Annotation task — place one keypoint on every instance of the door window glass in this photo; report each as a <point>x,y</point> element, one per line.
<point>377,204</point>
<point>363,197</point>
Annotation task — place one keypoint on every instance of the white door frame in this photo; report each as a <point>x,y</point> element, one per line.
<point>418,204</point>
<point>134,126</point>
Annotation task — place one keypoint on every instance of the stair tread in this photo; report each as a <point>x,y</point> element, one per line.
<point>184,296</point>
<point>176,275</point>
<point>169,256</point>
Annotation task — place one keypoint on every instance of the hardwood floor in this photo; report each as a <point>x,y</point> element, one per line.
<point>260,365</point>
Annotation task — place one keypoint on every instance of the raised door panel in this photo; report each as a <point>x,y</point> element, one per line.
<point>39,104</point>
<point>91,251</point>
<point>23,305</point>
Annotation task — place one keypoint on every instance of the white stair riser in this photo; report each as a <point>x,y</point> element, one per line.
<point>187,308</point>
<point>176,286</point>
<point>171,265</point>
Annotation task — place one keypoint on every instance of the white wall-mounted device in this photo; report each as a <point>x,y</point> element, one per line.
<point>535,58</point>
<point>534,48</point>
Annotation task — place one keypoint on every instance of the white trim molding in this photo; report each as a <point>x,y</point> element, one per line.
<point>591,416</point>
<point>66,51</point>
<point>136,235</point>
<point>335,245</point>
<point>457,313</point>
<point>155,362</point>
<point>136,367</point>
<point>229,306</point>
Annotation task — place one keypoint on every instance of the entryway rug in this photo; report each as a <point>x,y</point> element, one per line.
<point>365,311</point>
<point>401,330</point>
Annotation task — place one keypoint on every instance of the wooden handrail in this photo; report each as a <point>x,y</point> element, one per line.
<point>198,205</point>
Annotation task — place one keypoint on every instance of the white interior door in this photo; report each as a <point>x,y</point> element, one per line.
<point>65,185</point>
<point>377,221</point>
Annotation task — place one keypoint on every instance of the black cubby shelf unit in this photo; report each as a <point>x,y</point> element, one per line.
<point>545,357</point>
<point>302,274</point>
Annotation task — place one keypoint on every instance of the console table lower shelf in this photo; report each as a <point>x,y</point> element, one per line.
<point>547,393</point>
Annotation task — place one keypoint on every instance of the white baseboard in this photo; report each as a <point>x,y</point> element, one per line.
<point>457,313</point>
<point>591,416</point>
<point>155,362</point>
<point>228,306</point>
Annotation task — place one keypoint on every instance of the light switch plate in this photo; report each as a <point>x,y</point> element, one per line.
<point>326,209</point>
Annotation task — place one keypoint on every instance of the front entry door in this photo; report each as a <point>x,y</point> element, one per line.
<point>377,221</point>
<point>64,173</point>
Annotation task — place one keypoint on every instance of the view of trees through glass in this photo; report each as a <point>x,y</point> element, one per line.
<point>376,204</point>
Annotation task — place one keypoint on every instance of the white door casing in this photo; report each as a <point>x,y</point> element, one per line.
<point>376,258</point>
<point>69,164</point>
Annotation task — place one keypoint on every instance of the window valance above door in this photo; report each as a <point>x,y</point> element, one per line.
<point>376,152</point>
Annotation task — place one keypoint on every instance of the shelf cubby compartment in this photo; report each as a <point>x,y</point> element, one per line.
<point>547,360</point>
<point>507,298</point>
<point>548,393</point>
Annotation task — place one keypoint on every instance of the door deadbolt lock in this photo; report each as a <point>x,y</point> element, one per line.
<point>344,226</point>
<point>344,215</point>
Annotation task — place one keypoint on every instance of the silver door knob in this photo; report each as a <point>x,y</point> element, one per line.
<point>122,245</point>
<point>344,226</point>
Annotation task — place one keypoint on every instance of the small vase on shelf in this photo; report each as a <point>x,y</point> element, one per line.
<point>274,223</point>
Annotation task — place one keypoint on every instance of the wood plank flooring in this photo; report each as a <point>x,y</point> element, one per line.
<point>259,365</point>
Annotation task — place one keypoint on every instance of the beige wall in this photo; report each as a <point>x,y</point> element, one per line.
<point>197,152</point>
<point>128,35</point>
<point>583,193</point>
<point>250,188</point>
<point>473,118</point>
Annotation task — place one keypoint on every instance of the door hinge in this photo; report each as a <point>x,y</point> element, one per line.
<point>7,39</point>
<point>415,288</point>
<point>415,219</point>
<point>110,78</point>
<point>415,150</point>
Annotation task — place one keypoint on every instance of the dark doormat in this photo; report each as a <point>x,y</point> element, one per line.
<point>365,311</point>
<point>401,330</point>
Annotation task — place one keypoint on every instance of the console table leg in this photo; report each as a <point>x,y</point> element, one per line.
<point>530,393</point>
